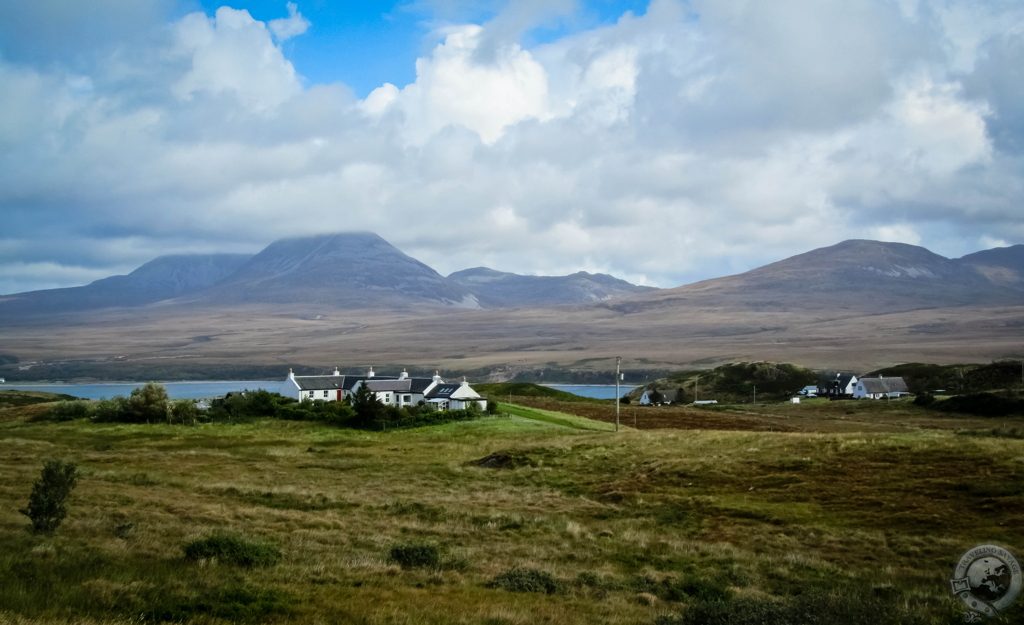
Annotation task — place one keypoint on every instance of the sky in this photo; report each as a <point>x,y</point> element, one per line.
<point>662,142</point>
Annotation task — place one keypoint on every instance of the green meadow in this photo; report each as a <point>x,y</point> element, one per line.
<point>534,516</point>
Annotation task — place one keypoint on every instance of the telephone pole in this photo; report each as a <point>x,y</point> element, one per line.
<point>618,363</point>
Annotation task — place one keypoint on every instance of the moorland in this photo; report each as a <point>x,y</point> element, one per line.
<point>838,512</point>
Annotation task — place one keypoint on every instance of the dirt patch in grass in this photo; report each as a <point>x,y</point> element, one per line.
<point>504,460</point>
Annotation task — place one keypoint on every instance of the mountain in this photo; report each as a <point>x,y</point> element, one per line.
<point>859,275</point>
<point>162,278</point>
<point>498,289</point>
<point>347,270</point>
<point>1003,266</point>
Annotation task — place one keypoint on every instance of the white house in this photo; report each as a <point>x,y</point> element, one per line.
<point>321,387</point>
<point>653,396</point>
<point>400,391</point>
<point>843,385</point>
<point>447,396</point>
<point>879,388</point>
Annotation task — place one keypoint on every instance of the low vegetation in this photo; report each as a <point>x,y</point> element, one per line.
<point>736,382</point>
<point>150,404</point>
<point>824,512</point>
<point>47,504</point>
<point>228,548</point>
<point>959,379</point>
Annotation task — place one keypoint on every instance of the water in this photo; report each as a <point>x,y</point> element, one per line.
<point>595,391</point>
<point>218,388</point>
<point>175,390</point>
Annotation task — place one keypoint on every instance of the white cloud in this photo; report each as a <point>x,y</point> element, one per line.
<point>454,87</point>
<point>694,140</point>
<point>233,54</point>
<point>291,26</point>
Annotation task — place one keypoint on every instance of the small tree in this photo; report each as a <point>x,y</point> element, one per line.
<point>367,407</point>
<point>183,411</point>
<point>148,403</point>
<point>46,505</point>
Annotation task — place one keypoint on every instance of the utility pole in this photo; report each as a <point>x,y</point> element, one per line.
<point>618,363</point>
<point>696,389</point>
<point>755,393</point>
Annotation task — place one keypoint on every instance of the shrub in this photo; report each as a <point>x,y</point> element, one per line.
<point>525,580</point>
<point>47,503</point>
<point>982,405</point>
<point>147,404</point>
<point>415,555</point>
<point>69,410</point>
<point>924,399</point>
<point>183,411</point>
<point>232,549</point>
<point>109,410</point>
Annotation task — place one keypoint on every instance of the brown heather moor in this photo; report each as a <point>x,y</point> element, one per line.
<point>631,526</point>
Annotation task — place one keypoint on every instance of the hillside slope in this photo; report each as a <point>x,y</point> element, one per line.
<point>346,270</point>
<point>499,289</point>
<point>160,279</point>
<point>856,275</point>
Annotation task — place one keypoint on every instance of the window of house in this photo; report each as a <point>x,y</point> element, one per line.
<point>407,399</point>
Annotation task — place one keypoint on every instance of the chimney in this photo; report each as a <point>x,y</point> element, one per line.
<point>291,374</point>
<point>336,371</point>
<point>464,382</point>
<point>369,373</point>
<point>404,375</point>
<point>437,378</point>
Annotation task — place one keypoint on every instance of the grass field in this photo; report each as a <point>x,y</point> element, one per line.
<point>630,527</point>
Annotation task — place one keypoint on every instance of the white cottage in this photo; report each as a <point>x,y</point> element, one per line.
<point>401,391</point>
<point>880,387</point>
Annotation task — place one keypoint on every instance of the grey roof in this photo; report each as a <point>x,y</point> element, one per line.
<point>876,386</point>
<point>443,391</point>
<point>323,382</point>
<point>389,385</point>
<point>420,384</point>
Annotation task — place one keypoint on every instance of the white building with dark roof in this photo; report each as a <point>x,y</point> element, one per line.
<point>880,387</point>
<point>400,391</point>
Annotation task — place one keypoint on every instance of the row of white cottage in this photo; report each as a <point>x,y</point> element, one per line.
<point>400,390</point>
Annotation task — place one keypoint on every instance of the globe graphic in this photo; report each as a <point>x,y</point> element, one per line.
<point>989,578</point>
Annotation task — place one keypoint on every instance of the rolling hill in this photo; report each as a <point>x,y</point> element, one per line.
<point>855,275</point>
<point>160,279</point>
<point>499,289</point>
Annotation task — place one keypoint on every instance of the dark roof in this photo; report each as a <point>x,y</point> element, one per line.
<point>389,385</point>
<point>443,391</point>
<point>323,382</point>
<point>876,386</point>
<point>420,384</point>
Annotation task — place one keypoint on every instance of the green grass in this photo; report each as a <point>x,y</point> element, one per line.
<point>596,527</point>
<point>555,418</point>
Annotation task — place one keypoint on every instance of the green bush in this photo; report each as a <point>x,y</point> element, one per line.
<point>109,410</point>
<point>924,399</point>
<point>147,404</point>
<point>982,405</point>
<point>232,549</point>
<point>183,412</point>
<point>525,580</point>
<point>415,555</point>
<point>47,504</point>
<point>69,410</point>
